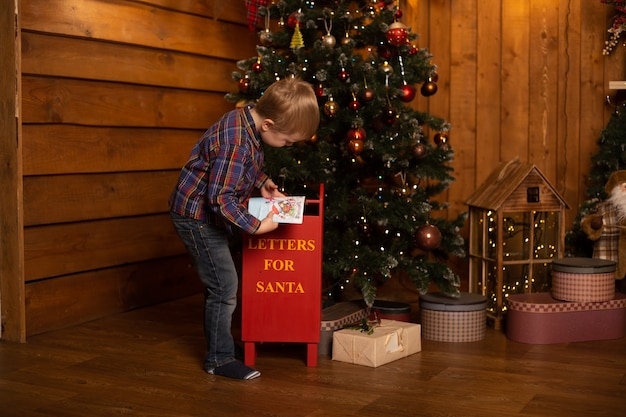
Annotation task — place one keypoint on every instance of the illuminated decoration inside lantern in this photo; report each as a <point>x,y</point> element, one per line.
<point>516,231</point>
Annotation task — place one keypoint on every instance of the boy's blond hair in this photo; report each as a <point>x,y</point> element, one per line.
<point>292,105</point>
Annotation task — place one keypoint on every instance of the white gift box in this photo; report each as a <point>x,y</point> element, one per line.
<point>390,341</point>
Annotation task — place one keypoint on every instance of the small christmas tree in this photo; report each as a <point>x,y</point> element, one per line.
<point>371,151</point>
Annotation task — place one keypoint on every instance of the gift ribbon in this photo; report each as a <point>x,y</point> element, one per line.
<point>393,342</point>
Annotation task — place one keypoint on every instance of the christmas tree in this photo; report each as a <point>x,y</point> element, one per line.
<point>611,157</point>
<point>372,152</point>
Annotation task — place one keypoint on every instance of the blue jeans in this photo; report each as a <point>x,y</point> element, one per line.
<point>210,252</point>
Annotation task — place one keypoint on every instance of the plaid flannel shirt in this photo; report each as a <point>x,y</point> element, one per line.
<point>223,169</point>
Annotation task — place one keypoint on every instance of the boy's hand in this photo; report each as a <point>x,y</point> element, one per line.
<point>269,189</point>
<point>267,224</point>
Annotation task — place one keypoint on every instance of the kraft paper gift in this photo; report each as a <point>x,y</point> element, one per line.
<point>390,341</point>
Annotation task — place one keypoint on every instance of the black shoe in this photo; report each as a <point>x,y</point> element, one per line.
<point>235,370</point>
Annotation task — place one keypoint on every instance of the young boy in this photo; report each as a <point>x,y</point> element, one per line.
<point>209,201</point>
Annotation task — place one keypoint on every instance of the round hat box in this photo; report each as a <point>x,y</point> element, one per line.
<point>583,279</point>
<point>392,310</point>
<point>452,319</point>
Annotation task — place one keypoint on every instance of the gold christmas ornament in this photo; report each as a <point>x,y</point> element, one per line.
<point>346,39</point>
<point>441,138</point>
<point>356,146</point>
<point>297,41</point>
<point>329,40</point>
<point>331,107</point>
<point>386,68</point>
<point>265,37</point>
<point>428,88</point>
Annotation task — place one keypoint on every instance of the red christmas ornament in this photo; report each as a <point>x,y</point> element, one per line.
<point>244,84</point>
<point>407,93</point>
<point>294,19</point>
<point>427,237</point>
<point>319,91</point>
<point>356,134</point>
<point>397,34</point>
<point>389,115</point>
<point>356,146</point>
<point>354,104</point>
<point>343,75</point>
<point>414,50</point>
<point>257,67</point>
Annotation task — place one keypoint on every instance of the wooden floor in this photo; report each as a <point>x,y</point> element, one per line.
<point>148,363</point>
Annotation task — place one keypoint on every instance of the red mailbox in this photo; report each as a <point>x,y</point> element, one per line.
<point>282,284</point>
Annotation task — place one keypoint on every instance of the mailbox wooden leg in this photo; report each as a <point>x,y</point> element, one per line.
<point>311,354</point>
<point>249,353</point>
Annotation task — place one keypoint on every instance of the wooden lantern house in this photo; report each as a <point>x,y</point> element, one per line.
<point>516,230</point>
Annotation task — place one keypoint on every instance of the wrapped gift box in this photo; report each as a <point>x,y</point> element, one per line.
<point>392,310</point>
<point>336,317</point>
<point>538,318</point>
<point>583,279</point>
<point>453,319</point>
<point>390,341</point>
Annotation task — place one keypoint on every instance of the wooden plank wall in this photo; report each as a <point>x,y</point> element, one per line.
<point>11,284</point>
<point>520,78</point>
<point>114,95</point>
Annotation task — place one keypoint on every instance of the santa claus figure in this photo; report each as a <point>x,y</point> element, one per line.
<point>607,226</point>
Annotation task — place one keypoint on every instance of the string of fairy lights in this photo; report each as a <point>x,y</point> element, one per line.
<point>525,269</point>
